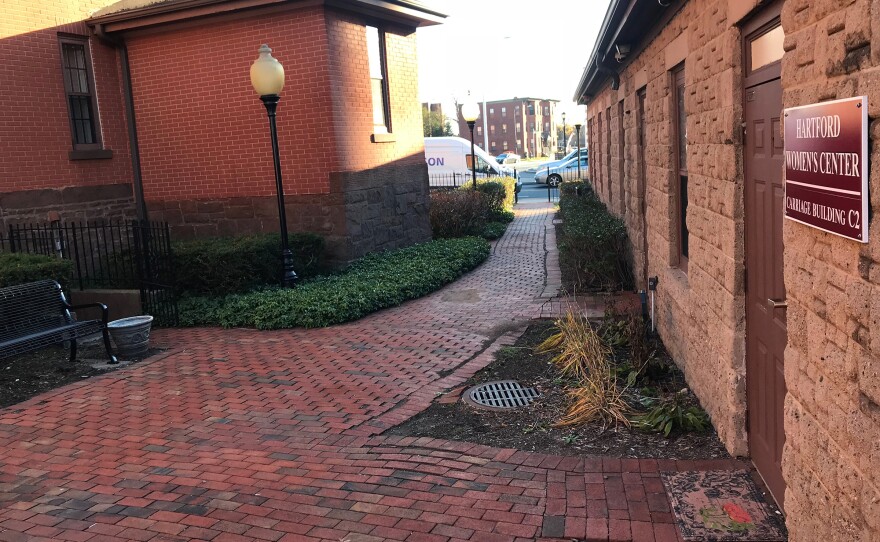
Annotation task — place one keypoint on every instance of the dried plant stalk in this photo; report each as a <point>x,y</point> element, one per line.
<point>583,355</point>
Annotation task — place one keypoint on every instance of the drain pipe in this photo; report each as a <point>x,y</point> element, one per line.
<point>652,286</point>
<point>137,179</point>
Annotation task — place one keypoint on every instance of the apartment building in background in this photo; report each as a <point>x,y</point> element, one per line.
<point>525,126</point>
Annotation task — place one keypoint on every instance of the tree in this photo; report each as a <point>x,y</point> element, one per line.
<point>435,124</point>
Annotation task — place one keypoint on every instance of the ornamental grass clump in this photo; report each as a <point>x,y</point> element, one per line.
<point>582,355</point>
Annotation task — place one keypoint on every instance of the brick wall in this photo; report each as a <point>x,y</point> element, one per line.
<point>831,460</point>
<point>35,135</point>
<point>205,145</point>
<point>203,131</point>
<point>385,184</point>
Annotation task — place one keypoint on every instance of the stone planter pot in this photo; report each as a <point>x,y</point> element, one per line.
<point>131,335</point>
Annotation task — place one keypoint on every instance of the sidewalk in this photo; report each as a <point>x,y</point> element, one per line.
<point>235,435</point>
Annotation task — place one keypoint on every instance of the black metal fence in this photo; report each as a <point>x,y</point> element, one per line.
<point>439,181</point>
<point>108,254</point>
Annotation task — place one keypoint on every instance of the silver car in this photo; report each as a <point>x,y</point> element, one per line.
<point>566,171</point>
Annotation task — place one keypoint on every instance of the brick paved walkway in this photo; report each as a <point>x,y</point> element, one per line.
<point>235,435</point>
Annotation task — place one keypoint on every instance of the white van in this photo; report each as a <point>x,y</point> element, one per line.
<point>449,164</point>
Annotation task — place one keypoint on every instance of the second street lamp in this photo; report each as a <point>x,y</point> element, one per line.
<point>469,112</point>
<point>577,128</point>
<point>564,141</point>
<point>267,77</point>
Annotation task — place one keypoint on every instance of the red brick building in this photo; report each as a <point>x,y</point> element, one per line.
<point>774,323</point>
<point>193,147</point>
<point>525,126</point>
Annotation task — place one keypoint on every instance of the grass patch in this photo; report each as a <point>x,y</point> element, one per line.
<point>374,282</point>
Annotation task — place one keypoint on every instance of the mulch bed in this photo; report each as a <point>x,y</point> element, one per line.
<point>27,375</point>
<point>532,428</point>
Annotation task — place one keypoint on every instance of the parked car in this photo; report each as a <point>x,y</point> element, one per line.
<point>568,171</point>
<point>559,162</point>
<point>507,158</point>
<point>449,165</point>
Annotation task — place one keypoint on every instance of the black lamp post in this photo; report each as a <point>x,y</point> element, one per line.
<point>564,142</point>
<point>267,77</point>
<point>469,112</point>
<point>577,128</point>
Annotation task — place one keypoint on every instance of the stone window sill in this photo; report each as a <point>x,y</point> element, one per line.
<point>94,154</point>
<point>680,276</point>
<point>382,138</point>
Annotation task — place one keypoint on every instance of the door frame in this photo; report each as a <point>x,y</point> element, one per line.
<point>762,20</point>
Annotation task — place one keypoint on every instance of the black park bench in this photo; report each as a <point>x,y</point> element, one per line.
<point>37,314</point>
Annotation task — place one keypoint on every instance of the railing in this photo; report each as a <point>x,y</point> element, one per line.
<point>453,180</point>
<point>102,252</point>
<point>107,254</point>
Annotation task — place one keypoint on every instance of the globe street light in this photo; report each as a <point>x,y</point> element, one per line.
<point>577,128</point>
<point>469,112</point>
<point>267,77</point>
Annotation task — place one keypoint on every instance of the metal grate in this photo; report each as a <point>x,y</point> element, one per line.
<point>503,394</point>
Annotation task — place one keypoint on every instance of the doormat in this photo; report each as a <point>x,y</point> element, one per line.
<point>720,506</point>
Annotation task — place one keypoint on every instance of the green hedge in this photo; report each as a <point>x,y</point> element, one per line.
<point>593,243</point>
<point>375,282</point>
<point>458,213</point>
<point>483,212</point>
<point>220,266</point>
<point>16,268</point>
<point>499,191</point>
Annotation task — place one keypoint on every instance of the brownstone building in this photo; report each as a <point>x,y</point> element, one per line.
<point>776,324</point>
<point>145,107</point>
<point>525,126</point>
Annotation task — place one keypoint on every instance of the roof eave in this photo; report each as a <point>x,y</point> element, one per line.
<point>622,16</point>
<point>401,11</point>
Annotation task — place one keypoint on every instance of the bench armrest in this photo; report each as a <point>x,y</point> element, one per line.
<point>105,313</point>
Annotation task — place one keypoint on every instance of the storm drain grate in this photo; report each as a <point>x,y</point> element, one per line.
<point>503,394</point>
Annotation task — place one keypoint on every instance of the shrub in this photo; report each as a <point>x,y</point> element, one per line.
<point>220,266</point>
<point>499,192</point>
<point>593,245</point>
<point>17,268</point>
<point>672,414</point>
<point>458,213</point>
<point>375,282</point>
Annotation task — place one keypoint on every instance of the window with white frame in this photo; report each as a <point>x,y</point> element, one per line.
<point>378,79</point>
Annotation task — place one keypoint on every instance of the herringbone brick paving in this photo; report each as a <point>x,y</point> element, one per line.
<point>235,435</point>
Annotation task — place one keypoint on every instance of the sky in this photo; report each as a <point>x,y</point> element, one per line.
<point>500,49</point>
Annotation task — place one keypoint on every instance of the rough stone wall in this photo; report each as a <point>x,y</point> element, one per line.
<point>700,313</point>
<point>831,459</point>
<point>70,204</point>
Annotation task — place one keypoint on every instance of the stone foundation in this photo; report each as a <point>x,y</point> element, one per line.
<point>376,209</point>
<point>71,204</point>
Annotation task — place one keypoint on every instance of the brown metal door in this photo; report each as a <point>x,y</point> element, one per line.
<point>765,289</point>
